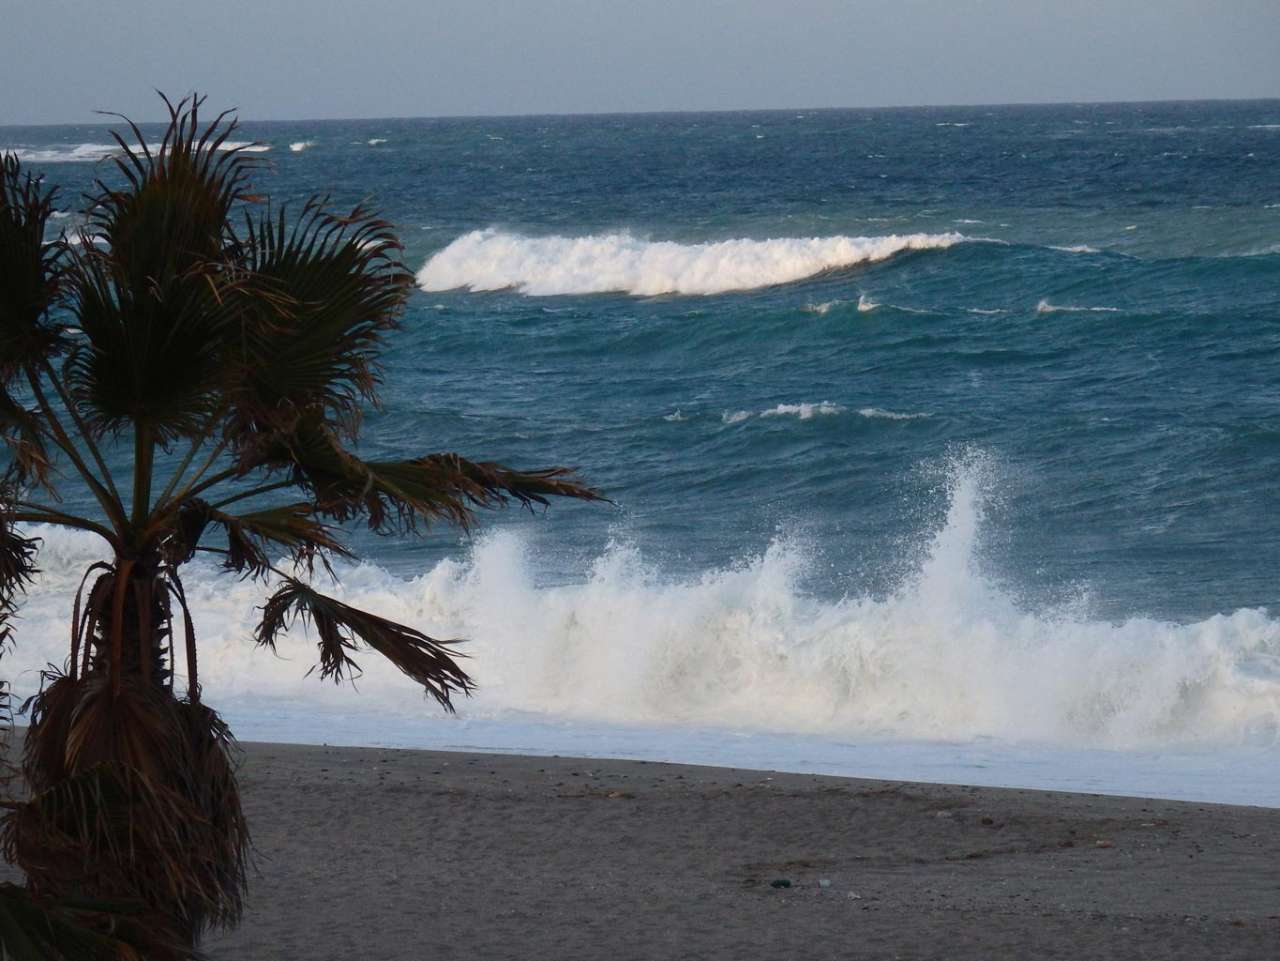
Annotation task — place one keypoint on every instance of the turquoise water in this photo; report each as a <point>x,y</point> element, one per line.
<point>871,390</point>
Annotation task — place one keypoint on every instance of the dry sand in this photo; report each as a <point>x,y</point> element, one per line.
<point>391,855</point>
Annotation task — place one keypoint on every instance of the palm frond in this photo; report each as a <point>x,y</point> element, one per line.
<point>175,212</point>
<point>336,287</point>
<point>30,271</point>
<point>339,626</point>
<point>22,431</point>
<point>290,527</point>
<point>157,299</point>
<point>398,495</point>
<point>17,570</point>
<point>151,353</point>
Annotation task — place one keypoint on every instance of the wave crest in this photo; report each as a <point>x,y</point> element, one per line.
<point>601,263</point>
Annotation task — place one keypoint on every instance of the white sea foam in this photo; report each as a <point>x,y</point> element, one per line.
<point>948,655</point>
<point>1044,307</point>
<point>823,308</point>
<point>675,417</point>
<point>803,411</point>
<point>866,304</point>
<point>83,153</point>
<point>301,145</point>
<point>245,146</point>
<point>599,263</point>
<point>1077,249</point>
<point>374,141</point>
<point>879,413</point>
<point>1264,126</point>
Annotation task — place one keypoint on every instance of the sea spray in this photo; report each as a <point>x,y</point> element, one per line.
<point>948,655</point>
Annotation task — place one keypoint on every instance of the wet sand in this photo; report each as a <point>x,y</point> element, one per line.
<point>409,855</point>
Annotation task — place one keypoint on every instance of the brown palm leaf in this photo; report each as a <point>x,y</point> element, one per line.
<point>426,660</point>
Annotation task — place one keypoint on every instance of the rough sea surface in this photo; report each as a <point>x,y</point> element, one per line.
<point>944,443</point>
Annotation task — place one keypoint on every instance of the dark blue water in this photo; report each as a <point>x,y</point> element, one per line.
<point>1103,333</point>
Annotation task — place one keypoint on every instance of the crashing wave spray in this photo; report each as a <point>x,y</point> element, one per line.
<point>949,655</point>
<point>601,263</point>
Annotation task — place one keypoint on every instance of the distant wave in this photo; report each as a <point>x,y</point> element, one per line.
<point>808,411</point>
<point>600,263</point>
<point>301,145</point>
<point>1044,307</point>
<point>803,411</point>
<point>92,152</point>
<point>1264,126</point>
<point>374,141</point>
<point>1077,249</point>
<point>83,153</point>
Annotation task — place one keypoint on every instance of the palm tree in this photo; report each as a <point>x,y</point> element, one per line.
<point>238,347</point>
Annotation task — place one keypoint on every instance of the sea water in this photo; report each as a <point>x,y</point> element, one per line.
<point>942,443</point>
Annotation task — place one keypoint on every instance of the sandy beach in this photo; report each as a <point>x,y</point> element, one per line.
<point>408,855</point>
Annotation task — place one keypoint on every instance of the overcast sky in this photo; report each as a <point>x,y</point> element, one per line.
<point>287,59</point>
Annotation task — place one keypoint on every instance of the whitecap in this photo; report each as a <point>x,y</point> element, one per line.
<point>541,266</point>
<point>301,145</point>
<point>823,308</point>
<point>874,413</point>
<point>374,141</point>
<point>1044,307</point>
<point>245,146</point>
<point>1077,249</point>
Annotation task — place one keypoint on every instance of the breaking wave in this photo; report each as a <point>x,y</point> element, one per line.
<point>949,654</point>
<point>600,263</point>
<point>83,153</point>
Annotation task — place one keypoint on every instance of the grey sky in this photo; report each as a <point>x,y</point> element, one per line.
<point>285,59</point>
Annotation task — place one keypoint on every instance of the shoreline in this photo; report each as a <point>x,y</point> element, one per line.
<point>407,854</point>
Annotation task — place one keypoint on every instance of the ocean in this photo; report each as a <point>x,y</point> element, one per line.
<point>942,444</point>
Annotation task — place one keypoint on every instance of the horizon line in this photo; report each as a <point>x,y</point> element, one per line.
<point>688,112</point>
